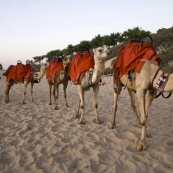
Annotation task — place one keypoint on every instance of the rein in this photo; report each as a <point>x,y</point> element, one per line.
<point>161,93</point>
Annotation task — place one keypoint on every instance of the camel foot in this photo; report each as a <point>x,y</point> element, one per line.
<point>7,100</point>
<point>23,103</point>
<point>82,121</point>
<point>50,104</point>
<point>142,145</point>
<point>67,105</point>
<point>113,126</point>
<point>56,108</point>
<point>99,121</point>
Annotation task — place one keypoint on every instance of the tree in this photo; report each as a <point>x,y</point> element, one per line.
<point>97,41</point>
<point>70,49</point>
<point>107,40</point>
<point>127,35</point>
<point>85,43</point>
<point>118,38</point>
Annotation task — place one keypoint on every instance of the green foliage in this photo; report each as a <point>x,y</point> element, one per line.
<point>36,67</point>
<point>167,60</point>
<point>163,38</point>
<point>108,71</point>
<point>127,35</point>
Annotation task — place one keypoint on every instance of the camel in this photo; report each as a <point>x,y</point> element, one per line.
<point>142,82</point>
<point>61,77</point>
<point>100,56</point>
<point>34,76</point>
<point>1,69</point>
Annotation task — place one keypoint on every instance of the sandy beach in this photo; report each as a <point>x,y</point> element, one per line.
<point>35,138</point>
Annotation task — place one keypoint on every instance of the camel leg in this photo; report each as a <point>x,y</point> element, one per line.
<point>132,98</point>
<point>95,94</point>
<point>141,100</point>
<point>65,96</point>
<point>81,106</point>
<point>56,94</point>
<point>8,86</point>
<point>50,94</point>
<point>78,110</point>
<point>24,92</point>
<point>149,100</point>
<point>113,126</point>
<point>117,91</point>
<point>32,85</point>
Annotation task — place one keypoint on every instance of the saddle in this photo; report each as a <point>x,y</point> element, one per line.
<point>82,61</point>
<point>55,65</point>
<point>19,72</point>
<point>130,55</point>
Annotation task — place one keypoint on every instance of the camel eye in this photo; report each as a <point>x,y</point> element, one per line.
<point>100,50</point>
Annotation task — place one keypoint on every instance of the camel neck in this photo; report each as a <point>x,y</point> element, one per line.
<point>99,66</point>
<point>41,73</point>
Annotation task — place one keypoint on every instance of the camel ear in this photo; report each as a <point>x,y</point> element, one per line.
<point>94,50</point>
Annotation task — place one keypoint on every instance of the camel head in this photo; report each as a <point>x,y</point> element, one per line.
<point>1,67</point>
<point>66,61</point>
<point>101,53</point>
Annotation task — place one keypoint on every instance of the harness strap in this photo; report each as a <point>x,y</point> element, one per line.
<point>157,95</point>
<point>156,74</point>
<point>160,85</point>
<point>161,82</point>
<point>90,75</point>
<point>161,93</point>
<point>152,56</point>
<point>167,95</point>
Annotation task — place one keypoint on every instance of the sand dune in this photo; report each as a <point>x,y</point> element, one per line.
<point>35,138</point>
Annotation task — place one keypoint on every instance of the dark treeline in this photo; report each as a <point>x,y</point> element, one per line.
<point>162,41</point>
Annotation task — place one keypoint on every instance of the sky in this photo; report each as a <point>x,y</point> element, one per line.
<point>30,28</point>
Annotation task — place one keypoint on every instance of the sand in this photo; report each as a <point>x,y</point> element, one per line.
<point>35,138</point>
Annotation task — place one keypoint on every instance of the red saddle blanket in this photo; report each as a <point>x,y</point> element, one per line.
<point>53,67</point>
<point>19,72</point>
<point>129,57</point>
<point>82,61</point>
